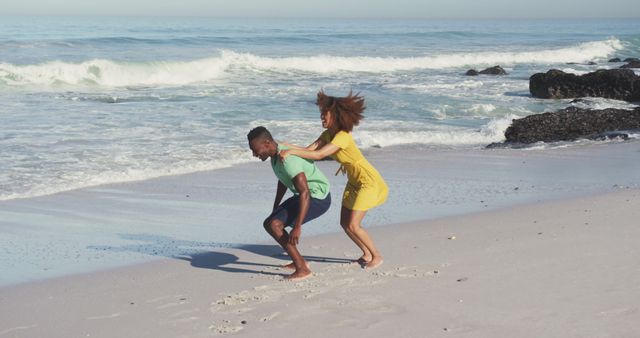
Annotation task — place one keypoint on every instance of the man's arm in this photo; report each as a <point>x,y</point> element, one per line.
<point>300,182</point>
<point>280,191</point>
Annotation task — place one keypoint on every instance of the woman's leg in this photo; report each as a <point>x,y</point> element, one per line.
<point>351,223</point>
<point>345,219</point>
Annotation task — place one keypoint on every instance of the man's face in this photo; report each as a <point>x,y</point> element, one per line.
<point>261,148</point>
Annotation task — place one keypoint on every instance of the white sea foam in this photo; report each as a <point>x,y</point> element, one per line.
<point>482,108</point>
<point>114,74</point>
<point>390,133</point>
<point>601,103</point>
<point>427,87</point>
<point>126,171</point>
<point>329,64</point>
<point>574,71</point>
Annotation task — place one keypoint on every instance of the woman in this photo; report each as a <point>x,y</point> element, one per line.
<point>365,187</point>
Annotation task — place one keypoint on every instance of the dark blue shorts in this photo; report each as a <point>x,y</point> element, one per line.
<point>287,212</point>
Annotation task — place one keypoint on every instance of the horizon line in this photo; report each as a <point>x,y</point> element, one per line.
<point>323,17</point>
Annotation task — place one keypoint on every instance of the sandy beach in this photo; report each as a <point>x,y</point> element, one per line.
<point>555,269</point>
<point>521,243</point>
<point>518,243</point>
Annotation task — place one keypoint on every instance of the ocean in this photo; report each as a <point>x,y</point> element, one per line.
<point>89,101</point>
<point>124,139</point>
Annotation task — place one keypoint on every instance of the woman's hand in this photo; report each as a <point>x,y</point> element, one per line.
<point>283,154</point>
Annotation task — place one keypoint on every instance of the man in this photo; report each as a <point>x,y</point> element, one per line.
<point>310,199</point>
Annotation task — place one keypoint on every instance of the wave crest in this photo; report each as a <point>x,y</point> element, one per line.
<point>380,135</point>
<point>110,73</point>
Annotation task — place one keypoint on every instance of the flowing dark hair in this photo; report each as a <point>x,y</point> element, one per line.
<point>347,111</point>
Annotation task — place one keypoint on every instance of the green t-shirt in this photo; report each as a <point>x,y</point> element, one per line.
<point>292,166</point>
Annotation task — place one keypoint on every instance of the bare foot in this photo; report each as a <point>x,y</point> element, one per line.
<point>374,263</point>
<point>364,259</point>
<point>299,275</point>
<point>292,266</point>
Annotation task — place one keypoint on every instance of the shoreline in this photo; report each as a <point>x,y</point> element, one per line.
<point>551,268</point>
<point>372,149</point>
<point>121,224</point>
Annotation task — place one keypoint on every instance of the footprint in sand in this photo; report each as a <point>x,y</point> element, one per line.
<point>338,278</point>
<point>240,298</point>
<point>225,328</point>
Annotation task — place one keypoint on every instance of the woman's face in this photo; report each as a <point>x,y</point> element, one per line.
<point>327,119</point>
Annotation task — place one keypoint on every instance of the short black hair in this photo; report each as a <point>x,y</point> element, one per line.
<point>259,132</point>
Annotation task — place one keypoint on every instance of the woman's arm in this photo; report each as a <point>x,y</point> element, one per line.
<point>326,150</point>
<point>313,146</point>
<point>291,145</point>
<point>317,144</point>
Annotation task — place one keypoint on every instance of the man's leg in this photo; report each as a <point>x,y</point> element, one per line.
<point>275,228</point>
<point>317,208</point>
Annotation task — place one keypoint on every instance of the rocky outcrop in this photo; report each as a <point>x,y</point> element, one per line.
<point>495,70</point>
<point>571,124</point>
<point>632,64</point>
<point>631,59</point>
<point>618,84</point>
<point>615,60</point>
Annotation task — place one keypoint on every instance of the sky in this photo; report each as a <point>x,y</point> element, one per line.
<point>466,9</point>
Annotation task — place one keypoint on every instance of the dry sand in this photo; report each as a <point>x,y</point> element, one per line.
<point>554,269</point>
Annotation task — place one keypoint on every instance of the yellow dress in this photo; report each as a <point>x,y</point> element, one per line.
<point>365,187</point>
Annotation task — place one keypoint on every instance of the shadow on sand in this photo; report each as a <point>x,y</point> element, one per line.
<point>204,254</point>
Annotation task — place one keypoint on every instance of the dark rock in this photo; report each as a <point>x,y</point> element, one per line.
<point>632,64</point>
<point>618,84</point>
<point>471,72</point>
<point>630,59</point>
<point>572,123</point>
<point>615,60</point>
<point>507,145</point>
<point>591,63</point>
<point>495,70</point>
